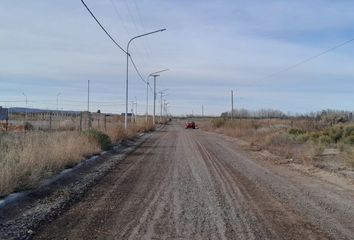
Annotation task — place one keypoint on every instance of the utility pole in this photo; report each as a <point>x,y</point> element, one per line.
<point>88,95</point>
<point>161,107</point>
<point>147,100</point>
<point>136,109</point>
<point>153,119</point>
<point>161,92</point>
<point>154,74</point>
<point>164,108</point>
<point>232,104</point>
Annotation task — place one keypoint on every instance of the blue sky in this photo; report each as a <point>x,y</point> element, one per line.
<point>210,47</point>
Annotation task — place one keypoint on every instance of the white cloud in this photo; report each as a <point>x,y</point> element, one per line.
<point>210,47</point>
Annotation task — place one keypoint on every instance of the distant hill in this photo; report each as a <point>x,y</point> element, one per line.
<point>36,110</point>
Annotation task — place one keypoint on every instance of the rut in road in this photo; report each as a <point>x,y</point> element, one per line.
<point>186,184</point>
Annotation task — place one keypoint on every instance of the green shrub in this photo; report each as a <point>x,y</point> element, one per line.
<point>348,131</point>
<point>302,138</point>
<point>315,135</point>
<point>296,131</point>
<point>28,126</point>
<point>349,139</point>
<point>324,139</point>
<point>336,134</point>
<point>100,138</point>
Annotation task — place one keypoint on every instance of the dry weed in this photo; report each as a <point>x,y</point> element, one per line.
<point>27,157</point>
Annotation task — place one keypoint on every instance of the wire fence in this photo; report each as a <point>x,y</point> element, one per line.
<point>58,121</point>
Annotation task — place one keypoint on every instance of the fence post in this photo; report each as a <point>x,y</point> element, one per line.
<point>105,122</point>
<point>50,120</point>
<point>7,120</point>
<point>80,128</point>
<point>89,117</point>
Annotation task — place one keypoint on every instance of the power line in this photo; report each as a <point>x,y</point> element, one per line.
<point>309,59</point>
<point>146,43</point>
<point>131,59</point>
<point>151,90</point>
<point>134,21</point>
<point>131,16</point>
<point>119,16</point>
<point>136,69</point>
<point>114,41</point>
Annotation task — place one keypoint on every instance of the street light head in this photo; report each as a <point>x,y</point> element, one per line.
<point>164,29</point>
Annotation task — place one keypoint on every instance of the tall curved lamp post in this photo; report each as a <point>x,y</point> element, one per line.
<point>127,73</point>
<point>154,74</point>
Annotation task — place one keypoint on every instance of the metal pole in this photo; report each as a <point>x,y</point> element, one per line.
<point>153,119</point>
<point>232,104</point>
<point>50,120</point>
<point>88,95</point>
<point>127,73</point>
<point>154,74</point>
<point>126,89</point>
<point>80,128</point>
<point>147,100</point>
<point>164,108</point>
<point>161,108</point>
<point>136,109</point>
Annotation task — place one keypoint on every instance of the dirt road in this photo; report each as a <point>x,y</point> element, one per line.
<point>188,184</point>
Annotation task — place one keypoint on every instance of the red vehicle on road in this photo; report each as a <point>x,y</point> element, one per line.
<point>190,124</point>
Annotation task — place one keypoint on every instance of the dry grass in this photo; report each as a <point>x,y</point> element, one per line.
<point>117,133</point>
<point>272,135</point>
<point>25,158</point>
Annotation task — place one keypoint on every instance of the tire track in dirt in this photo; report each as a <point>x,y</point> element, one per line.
<point>327,206</point>
<point>277,223</point>
<point>185,184</point>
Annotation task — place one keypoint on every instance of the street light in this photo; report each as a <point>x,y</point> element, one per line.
<point>153,118</point>
<point>147,90</point>
<point>162,95</point>
<point>127,73</point>
<point>165,108</point>
<point>58,100</point>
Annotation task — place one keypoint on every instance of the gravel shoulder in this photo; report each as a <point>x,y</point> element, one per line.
<point>189,184</point>
<point>23,213</point>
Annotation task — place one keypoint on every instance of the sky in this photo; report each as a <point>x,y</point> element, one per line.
<point>49,49</point>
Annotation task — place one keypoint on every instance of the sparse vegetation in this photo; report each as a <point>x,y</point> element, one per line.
<point>99,138</point>
<point>301,140</point>
<point>27,157</point>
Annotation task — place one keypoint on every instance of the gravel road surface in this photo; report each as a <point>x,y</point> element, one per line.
<point>189,184</point>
